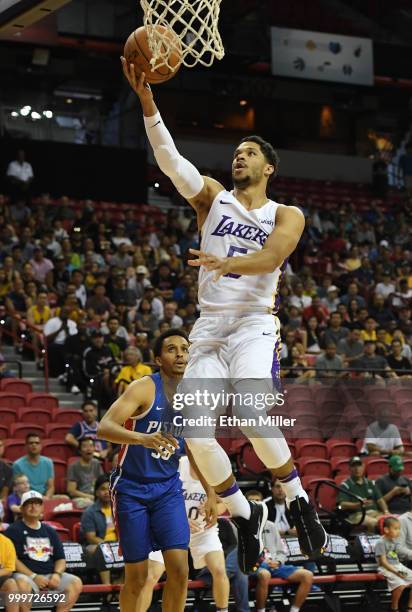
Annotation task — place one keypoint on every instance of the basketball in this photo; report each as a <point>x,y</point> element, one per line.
<point>137,52</point>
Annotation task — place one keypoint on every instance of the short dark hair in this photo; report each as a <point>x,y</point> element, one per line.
<point>86,439</point>
<point>268,151</point>
<point>158,345</point>
<point>100,480</point>
<point>88,403</point>
<point>390,520</point>
<point>32,434</point>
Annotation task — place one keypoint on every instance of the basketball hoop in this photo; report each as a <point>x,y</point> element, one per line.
<point>195,23</point>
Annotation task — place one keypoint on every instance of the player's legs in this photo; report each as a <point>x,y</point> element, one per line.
<point>154,572</point>
<point>304,578</point>
<point>135,576</point>
<point>215,562</point>
<point>177,575</point>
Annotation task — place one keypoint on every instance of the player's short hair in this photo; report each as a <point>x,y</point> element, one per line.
<point>268,151</point>
<point>158,345</point>
<point>389,521</point>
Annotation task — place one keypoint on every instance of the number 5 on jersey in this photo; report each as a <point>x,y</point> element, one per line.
<point>231,253</point>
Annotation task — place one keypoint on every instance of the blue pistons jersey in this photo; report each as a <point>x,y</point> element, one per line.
<point>146,491</point>
<point>144,465</point>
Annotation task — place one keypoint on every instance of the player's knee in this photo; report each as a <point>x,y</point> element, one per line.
<point>218,572</point>
<point>178,572</point>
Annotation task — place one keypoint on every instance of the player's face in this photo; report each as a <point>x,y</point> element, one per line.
<point>249,165</point>
<point>174,356</point>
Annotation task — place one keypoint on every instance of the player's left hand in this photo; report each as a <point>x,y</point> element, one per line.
<point>220,265</point>
<point>209,511</point>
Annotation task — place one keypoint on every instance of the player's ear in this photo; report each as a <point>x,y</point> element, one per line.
<point>269,170</point>
<point>158,361</point>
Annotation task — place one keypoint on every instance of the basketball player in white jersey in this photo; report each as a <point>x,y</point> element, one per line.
<point>205,546</point>
<point>246,240</point>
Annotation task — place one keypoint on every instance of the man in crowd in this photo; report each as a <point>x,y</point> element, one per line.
<point>382,437</point>
<point>365,489</point>
<point>20,176</point>
<point>57,330</point>
<point>97,522</point>
<point>38,469</point>
<point>372,364</point>
<point>329,364</point>
<point>396,488</point>
<point>87,428</point>
<point>133,370</point>
<point>82,474</point>
<point>6,476</point>
<point>278,512</point>
<point>351,347</point>
<point>40,561</point>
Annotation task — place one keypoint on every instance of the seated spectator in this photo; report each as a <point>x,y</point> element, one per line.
<point>82,474</point>
<point>318,310</point>
<point>382,437</point>
<point>170,315</point>
<point>353,294</point>
<point>272,565</point>
<point>99,303</point>
<point>329,364</point>
<point>146,321</point>
<point>369,331</point>
<point>396,489</point>
<point>21,485</point>
<point>134,369</point>
<point>295,366</point>
<point>8,585</point>
<point>351,347</point>
<point>57,330</point>
<point>6,476</point>
<point>120,293</point>
<point>20,176</point>
<point>335,332</point>
<point>401,365</point>
<point>387,549</point>
<point>87,428</point>
<point>116,339</point>
<point>142,343</point>
<point>74,348</point>
<point>278,512</point>
<point>97,363</point>
<point>365,489</point>
<point>331,301</point>
<point>372,364</point>
<point>4,372</point>
<point>405,537</point>
<point>97,522</point>
<point>298,299</point>
<point>38,315</point>
<point>380,312</point>
<point>386,287</point>
<point>40,555</point>
<point>38,469</point>
<point>403,296</point>
<point>42,267</point>
<point>17,303</point>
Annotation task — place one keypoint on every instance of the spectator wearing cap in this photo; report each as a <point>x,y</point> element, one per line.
<point>57,330</point>
<point>97,522</point>
<point>38,469</point>
<point>382,437</point>
<point>87,428</point>
<point>331,300</point>
<point>140,281</point>
<point>351,347</point>
<point>40,561</point>
<point>369,497</point>
<point>133,370</point>
<point>396,488</point>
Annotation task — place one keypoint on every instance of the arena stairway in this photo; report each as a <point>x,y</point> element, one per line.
<point>36,378</point>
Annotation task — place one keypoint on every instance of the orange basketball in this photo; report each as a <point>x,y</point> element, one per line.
<point>137,52</point>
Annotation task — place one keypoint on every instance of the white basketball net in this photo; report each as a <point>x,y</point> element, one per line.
<point>195,23</point>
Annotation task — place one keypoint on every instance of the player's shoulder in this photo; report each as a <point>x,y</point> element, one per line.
<point>290,210</point>
<point>143,387</point>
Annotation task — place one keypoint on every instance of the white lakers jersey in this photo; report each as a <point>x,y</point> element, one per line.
<point>193,492</point>
<point>231,230</point>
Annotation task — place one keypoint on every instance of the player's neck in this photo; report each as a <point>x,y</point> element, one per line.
<point>251,197</point>
<point>169,384</point>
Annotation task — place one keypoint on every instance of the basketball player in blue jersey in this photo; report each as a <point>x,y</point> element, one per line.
<point>147,498</point>
<point>246,241</point>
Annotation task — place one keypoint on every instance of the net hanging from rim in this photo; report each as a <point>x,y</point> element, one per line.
<point>195,23</point>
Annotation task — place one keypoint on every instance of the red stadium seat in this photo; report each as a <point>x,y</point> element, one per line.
<point>339,478</point>
<point>14,449</point>
<point>42,400</point>
<point>67,415</point>
<point>317,467</point>
<point>309,483</point>
<point>60,471</point>
<point>56,450</point>
<point>48,507</point>
<point>11,400</point>
<point>62,532</point>
<point>76,532</point>
<point>376,468</point>
<point>340,448</point>
<point>249,463</point>
<point>56,431</point>
<point>7,416</point>
<point>378,394</point>
<point>4,432</point>
<point>340,465</point>
<point>35,415</point>
<point>15,385</point>
<point>20,430</point>
<point>311,448</point>
<point>68,518</point>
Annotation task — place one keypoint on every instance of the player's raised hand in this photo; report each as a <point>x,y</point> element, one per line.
<point>136,82</point>
<point>219,265</point>
<point>159,441</point>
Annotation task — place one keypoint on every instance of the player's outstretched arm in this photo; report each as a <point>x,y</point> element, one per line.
<point>137,398</point>
<point>198,190</point>
<point>290,223</point>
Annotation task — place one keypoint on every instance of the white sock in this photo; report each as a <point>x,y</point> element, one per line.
<point>236,502</point>
<point>293,489</point>
<point>294,609</point>
<point>261,610</point>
